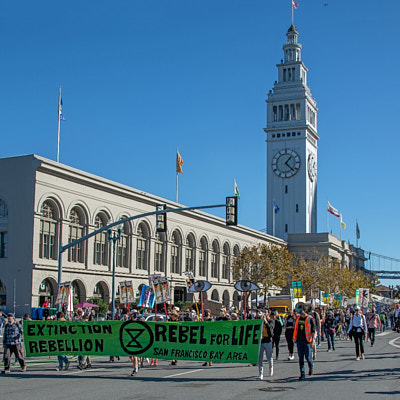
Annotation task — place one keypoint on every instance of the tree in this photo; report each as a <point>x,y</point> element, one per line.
<point>265,265</point>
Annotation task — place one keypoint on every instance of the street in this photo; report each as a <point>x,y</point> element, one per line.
<point>336,375</point>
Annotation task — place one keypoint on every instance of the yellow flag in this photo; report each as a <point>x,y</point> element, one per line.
<point>342,222</point>
<point>179,163</point>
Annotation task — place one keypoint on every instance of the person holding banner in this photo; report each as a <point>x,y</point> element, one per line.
<point>266,346</point>
<point>62,359</point>
<point>358,327</point>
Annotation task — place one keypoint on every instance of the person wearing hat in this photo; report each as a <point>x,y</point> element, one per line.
<point>358,327</point>
<point>13,343</point>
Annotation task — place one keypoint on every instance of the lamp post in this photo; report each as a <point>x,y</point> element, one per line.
<point>114,237</point>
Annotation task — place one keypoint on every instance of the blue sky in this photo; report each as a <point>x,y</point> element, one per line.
<point>141,78</point>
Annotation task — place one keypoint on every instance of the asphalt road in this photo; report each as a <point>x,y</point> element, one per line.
<point>337,375</point>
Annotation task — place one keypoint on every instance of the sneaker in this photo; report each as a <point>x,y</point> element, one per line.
<point>302,378</point>
<point>271,371</point>
<point>59,369</point>
<point>203,365</point>
<point>363,356</point>
<point>134,372</point>
<point>66,365</point>
<point>79,366</point>
<point>291,357</point>
<point>260,377</point>
<point>329,350</point>
<point>310,371</point>
<point>6,371</point>
<point>357,358</point>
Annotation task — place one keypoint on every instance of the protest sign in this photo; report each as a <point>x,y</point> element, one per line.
<point>126,292</point>
<point>222,341</point>
<point>147,297</point>
<point>337,299</point>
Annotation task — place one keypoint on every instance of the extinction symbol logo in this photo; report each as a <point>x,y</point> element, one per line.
<point>135,337</point>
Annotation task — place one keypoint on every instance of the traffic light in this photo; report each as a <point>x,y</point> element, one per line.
<point>231,210</point>
<point>161,219</point>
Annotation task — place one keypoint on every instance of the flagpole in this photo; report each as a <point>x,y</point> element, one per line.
<point>273,219</point>
<point>292,12</point>
<point>176,194</point>
<point>58,130</point>
<point>340,226</point>
<point>327,217</point>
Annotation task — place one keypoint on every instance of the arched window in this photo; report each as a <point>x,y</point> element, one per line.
<point>101,291</point>
<point>215,260</point>
<point>215,295</point>
<point>190,254</point>
<point>78,290</point>
<point>47,291</point>
<point>226,262</point>
<point>3,209</point>
<point>142,247</point>
<point>3,294</point>
<point>122,249</point>
<point>225,298</point>
<point>3,228</point>
<point>176,247</point>
<point>236,299</point>
<point>100,256</point>
<point>159,252</point>
<point>48,231</point>
<point>203,257</point>
<point>76,231</point>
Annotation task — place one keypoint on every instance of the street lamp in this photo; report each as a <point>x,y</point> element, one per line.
<point>114,237</point>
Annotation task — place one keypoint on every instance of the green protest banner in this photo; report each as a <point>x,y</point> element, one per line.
<point>223,341</point>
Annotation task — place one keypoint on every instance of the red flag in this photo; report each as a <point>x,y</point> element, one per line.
<point>295,4</point>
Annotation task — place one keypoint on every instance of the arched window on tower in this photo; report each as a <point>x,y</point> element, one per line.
<point>203,257</point>
<point>215,260</point>
<point>190,254</point>
<point>226,262</point>
<point>176,247</point>
<point>122,245</point>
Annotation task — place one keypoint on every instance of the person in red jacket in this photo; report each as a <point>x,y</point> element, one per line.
<point>304,336</point>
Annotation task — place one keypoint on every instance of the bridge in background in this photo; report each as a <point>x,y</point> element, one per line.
<point>382,266</point>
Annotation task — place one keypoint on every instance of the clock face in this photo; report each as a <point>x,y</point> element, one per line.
<point>286,163</point>
<point>312,166</point>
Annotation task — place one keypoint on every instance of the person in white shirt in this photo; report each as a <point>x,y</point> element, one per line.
<point>358,327</point>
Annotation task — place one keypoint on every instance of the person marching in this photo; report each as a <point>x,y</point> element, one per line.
<point>374,322</point>
<point>277,332</point>
<point>357,329</point>
<point>13,343</point>
<point>304,336</point>
<point>290,320</point>
<point>266,346</point>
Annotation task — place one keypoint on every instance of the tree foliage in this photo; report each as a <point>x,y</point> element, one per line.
<point>270,265</point>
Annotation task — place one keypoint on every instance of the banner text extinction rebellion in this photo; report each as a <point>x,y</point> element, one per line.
<point>226,341</point>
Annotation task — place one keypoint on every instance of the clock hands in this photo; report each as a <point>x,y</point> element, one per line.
<point>286,163</point>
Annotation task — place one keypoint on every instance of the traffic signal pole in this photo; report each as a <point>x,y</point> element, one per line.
<point>63,248</point>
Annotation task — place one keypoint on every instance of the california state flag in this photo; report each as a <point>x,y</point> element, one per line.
<point>333,210</point>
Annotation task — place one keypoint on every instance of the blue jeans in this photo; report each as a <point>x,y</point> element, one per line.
<point>304,350</point>
<point>62,360</point>
<point>330,337</point>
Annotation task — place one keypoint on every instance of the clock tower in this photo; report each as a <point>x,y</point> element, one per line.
<point>292,143</point>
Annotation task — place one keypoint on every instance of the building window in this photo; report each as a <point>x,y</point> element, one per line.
<point>225,262</point>
<point>280,113</point>
<point>215,260</point>
<point>159,245</point>
<point>76,231</point>
<point>122,248</point>
<point>203,257</point>
<point>175,253</point>
<point>286,188</point>
<point>189,254</point>
<point>278,135</point>
<point>284,75</point>
<point>297,208</point>
<point>298,112</point>
<point>286,228</point>
<point>141,250</point>
<point>275,113</point>
<point>3,244</point>
<point>100,242</point>
<point>3,209</point>
<point>273,136</point>
<point>48,232</point>
<point>286,112</point>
